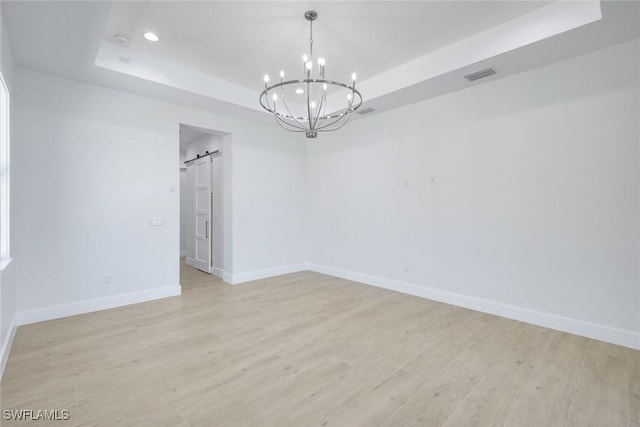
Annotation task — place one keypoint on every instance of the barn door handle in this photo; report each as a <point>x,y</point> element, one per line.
<point>206,229</point>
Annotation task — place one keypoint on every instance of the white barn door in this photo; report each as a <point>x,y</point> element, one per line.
<point>202,255</point>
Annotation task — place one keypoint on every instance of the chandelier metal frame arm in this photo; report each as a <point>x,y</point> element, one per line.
<point>313,117</point>
<point>264,99</point>
<point>286,106</point>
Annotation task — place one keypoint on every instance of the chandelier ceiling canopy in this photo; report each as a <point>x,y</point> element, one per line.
<point>300,105</point>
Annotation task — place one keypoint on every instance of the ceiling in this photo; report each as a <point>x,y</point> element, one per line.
<point>212,55</point>
<point>188,134</point>
<point>241,41</point>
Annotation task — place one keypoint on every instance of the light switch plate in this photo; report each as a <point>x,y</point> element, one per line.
<point>155,221</point>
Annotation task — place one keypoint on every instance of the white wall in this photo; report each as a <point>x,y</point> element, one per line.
<point>92,164</point>
<point>275,186</point>
<point>8,282</point>
<point>522,197</point>
<point>183,206</point>
<point>199,146</point>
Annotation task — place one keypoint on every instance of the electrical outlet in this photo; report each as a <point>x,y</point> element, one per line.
<point>406,268</point>
<point>106,279</point>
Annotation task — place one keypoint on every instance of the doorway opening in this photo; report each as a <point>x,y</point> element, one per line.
<point>203,223</point>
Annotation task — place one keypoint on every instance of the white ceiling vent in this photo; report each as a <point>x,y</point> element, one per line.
<point>365,110</point>
<point>480,74</point>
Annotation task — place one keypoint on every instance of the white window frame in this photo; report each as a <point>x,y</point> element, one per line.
<point>5,189</point>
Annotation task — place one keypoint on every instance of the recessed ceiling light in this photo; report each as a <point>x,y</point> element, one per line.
<point>299,91</point>
<point>152,37</point>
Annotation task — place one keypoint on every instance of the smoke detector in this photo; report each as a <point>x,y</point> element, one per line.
<point>121,39</point>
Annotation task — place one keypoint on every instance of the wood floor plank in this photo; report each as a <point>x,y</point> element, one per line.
<point>602,395</point>
<point>490,401</point>
<point>547,397</point>
<point>442,391</point>
<point>307,349</point>
<point>376,405</point>
<point>271,402</point>
<point>341,393</point>
<point>634,387</point>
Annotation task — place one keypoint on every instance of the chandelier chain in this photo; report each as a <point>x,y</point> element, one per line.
<point>311,39</point>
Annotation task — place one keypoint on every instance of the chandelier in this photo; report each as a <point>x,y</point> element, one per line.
<point>310,115</point>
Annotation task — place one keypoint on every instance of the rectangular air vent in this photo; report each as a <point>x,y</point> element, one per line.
<point>365,110</point>
<point>480,74</point>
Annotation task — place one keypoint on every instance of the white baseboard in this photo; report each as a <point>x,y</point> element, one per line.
<point>65,310</point>
<point>263,274</point>
<point>218,272</point>
<point>565,324</point>
<point>192,263</point>
<point>6,345</point>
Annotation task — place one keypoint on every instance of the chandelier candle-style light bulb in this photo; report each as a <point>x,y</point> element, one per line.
<point>311,117</point>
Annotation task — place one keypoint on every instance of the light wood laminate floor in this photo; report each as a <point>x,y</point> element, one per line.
<point>306,349</point>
